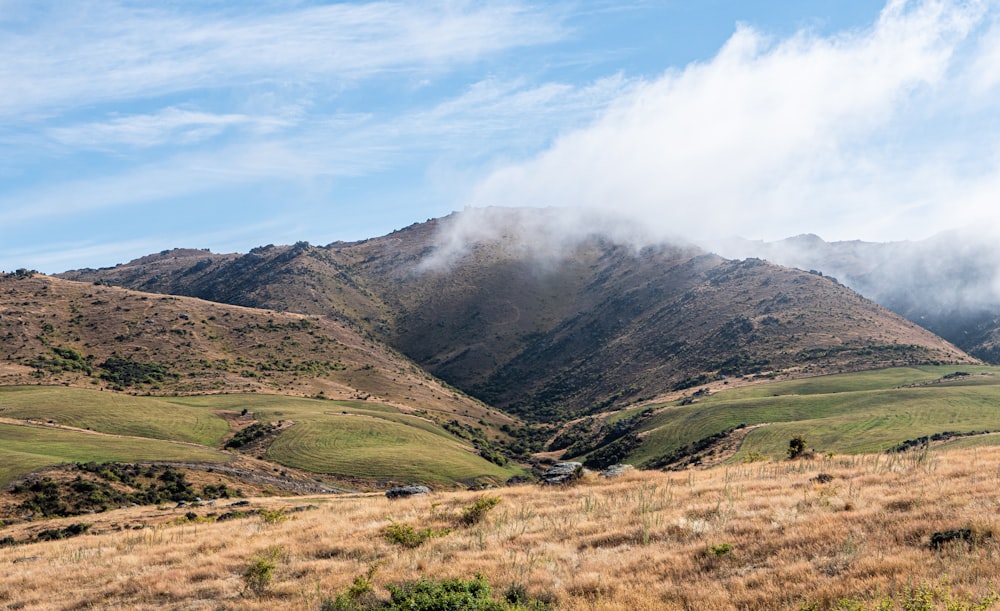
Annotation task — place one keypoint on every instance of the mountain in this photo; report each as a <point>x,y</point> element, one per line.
<point>55,331</point>
<point>949,283</point>
<point>546,327</point>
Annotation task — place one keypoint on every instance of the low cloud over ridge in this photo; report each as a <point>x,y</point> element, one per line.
<point>880,133</point>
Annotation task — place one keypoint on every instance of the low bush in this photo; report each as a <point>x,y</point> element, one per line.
<point>259,573</point>
<point>474,513</point>
<point>452,595</point>
<point>407,536</point>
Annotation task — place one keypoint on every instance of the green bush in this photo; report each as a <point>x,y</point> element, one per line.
<point>122,371</point>
<point>796,446</point>
<point>407,536</point>
<point>474,513</point>
<point>359,596</point>
<point>452,595</point>
<point>259,573</point>
<point>273,516</point>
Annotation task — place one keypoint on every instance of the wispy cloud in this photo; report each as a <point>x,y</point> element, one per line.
<point>774,137</point>
<point>92,52</point>
<point>173,126</point>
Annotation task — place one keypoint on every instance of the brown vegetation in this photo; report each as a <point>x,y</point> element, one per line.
<point>772,535</point>
<point>551,332</point>
<point>55,331</point>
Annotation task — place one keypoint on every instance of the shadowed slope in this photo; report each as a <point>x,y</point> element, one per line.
<point>550,331</point>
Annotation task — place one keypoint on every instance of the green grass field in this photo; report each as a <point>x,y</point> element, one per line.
<point>26,448</point>
<point>367,447</point>
<point>360,439</point>
<point>847,413</point>
<point>345,438</point>
<point>113,413</point>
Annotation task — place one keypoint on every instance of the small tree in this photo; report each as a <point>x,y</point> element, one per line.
<point>796,446</point>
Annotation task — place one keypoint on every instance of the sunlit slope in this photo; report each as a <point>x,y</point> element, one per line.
<point>57,332</point>
<point>362,440</point>
<point>847,413</point>
<point>357,440</point>
<point>26,448</point>
<point>112,413</point>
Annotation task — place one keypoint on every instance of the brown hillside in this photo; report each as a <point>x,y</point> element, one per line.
<point>55,331</point>
<point>549,334</point>
<point>865,532</point>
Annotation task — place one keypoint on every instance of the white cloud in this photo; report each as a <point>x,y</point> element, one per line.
<point>775,137</point>
<point>96,51</point>
<point>169,126</point>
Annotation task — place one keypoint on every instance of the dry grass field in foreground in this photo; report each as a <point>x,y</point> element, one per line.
<point>756,536</point>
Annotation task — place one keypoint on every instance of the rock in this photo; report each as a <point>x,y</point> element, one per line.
<point>823,478</point>
<point>939,538</point>
<point>26,559</point>
<point>616,470</point>
<point>406,491</point>
<point>562,473</point>
<point>240,504</point>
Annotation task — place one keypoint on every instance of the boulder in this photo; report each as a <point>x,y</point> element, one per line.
<point>616,470</point>
<point>406,491</point>
<point>562,473</point>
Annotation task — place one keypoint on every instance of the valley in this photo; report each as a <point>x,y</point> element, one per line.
<point>258,406</point>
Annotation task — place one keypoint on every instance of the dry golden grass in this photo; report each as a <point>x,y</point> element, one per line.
<point>755,536</point>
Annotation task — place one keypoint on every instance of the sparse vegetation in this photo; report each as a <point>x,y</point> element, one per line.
<point>259,572</point>
<point>474,513</point>
<point>407,536</point>
<point>764,535</point>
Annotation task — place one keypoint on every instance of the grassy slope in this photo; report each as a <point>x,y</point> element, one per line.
<point>861,412</point>
<point>26,448</point>
<point>209,347</point>
<point>352,439</point>
<point>113,413</point>
<point>760,536</point>
<point>358,439</point>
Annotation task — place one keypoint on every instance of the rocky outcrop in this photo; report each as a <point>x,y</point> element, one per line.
<point>562,473</point>
<point>406,491</point>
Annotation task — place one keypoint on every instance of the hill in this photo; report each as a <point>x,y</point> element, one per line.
<point>946,283</point>
<point>60,332</point>
<point>98,373</point>
<point>905,531</point>
<point>550,328</point>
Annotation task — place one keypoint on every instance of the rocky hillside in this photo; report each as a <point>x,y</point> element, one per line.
<point>54,331</point>
<point>550,329</point>
<point>949,284</point>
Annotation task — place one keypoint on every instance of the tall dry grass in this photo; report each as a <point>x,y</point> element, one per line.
<point>754,536</point>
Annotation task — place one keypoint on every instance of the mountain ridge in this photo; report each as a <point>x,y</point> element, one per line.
<point>554,331</point>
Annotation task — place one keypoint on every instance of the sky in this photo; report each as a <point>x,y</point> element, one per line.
<point>129,127</point>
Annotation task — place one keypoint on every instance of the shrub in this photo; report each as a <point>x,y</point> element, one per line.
<point>796,446</point>
<point>360,595</point>
<point>430,595</point>
<point>259,573</point>
<point>474,513</point>
<point>123,372</point>
<point>407,536</point>
<point>55,534</point>
<point>273,516</point>
<point>722,549</point>
<point>452,595</point>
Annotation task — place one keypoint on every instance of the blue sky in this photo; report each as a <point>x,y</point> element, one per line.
<point>132,127</point>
